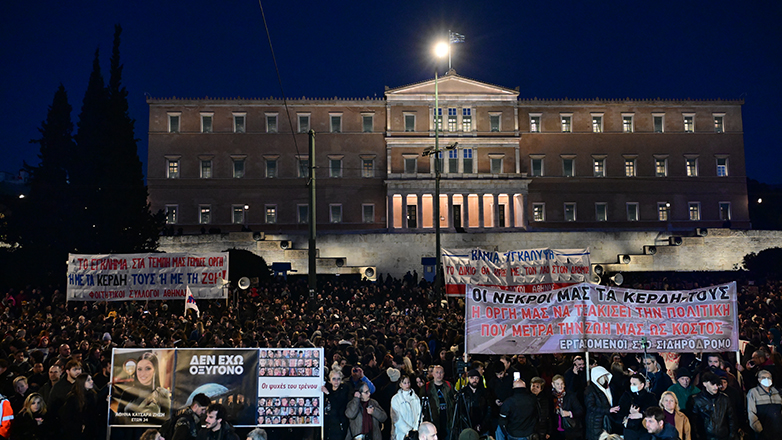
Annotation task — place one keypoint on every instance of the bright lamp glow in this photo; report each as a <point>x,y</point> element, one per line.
<point>441,49</point>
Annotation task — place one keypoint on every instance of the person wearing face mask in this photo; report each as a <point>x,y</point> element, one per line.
<point>600,403</point>
<point>632,406</point>
<point>764,406</point>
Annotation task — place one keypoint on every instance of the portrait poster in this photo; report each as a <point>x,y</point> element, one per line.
<point>289,381</point>
<point>142,386</point>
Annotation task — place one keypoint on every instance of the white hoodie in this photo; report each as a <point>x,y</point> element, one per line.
<point>595,374</point>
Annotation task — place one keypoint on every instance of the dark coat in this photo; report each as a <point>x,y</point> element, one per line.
<point>713,417</point>
<point>335,424</point>
<point>569,403</point>
<point>597,408</point>
<point>519,413</point>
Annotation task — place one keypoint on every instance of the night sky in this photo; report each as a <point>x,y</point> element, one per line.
<point>219,48</point>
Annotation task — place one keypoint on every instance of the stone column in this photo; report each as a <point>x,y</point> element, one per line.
<point>494,200</point>
<point>481,214</point>
<point>466,211</point>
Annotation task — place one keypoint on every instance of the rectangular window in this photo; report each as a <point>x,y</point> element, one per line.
<point>597,124</point>
<point>367,168</point>
<point>452,119</point>
<point>719,123</point>
<point>570,212</point>
<point>238,168</point>
<point>466,119</point>
<point>453,161</point>
<point>536,167</point>
<point>659,123</point>
<point>335,213</point>
<point>467,160</point>
<point>538,212</point>
<point>237,212</point>
<point>534,123</point>
<point>239,123</point>
<point>336,123</point>
<point>173,169</point>
<point>689,123</point>
<point>271,168</point>
<point>722,167</point>
<point>627,124</point>
<point>566,123</point>
<point>172,216</point>
<point>271,123</point>
<point>494,123</point>
<point>173,123</point>
<point>335,167</point>
<point>725,211</point>
<point>692,167</point>
<point>632,211</point>
<point>438,118</point>
<point>206,123</point>
<point>303,214</point>
<point>411,165</point>
<point>568,167</point>
<point>304,123</point>
<point>660,167</point>
<point>368,213</point>
<point>409,123</point>
<point>601,212</point>
<point>204,214</point>
<point>304,168</point>
<point>663,211</point>
<point>695,210</point>
<point>206,169</point>
<point>598,165</point>
<point>271,214</point>
<point>629,167</point>
<point>367,123</point>
<point>496,165</point>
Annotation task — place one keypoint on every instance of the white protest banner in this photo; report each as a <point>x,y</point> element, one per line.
<point>531,270</point>
<point>289,382</point>
<point>589,317</point>
<point>152,276</point>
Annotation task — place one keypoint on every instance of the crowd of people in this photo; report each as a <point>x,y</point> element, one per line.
<point>393,359</point>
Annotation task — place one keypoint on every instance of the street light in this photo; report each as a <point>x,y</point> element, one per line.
<point>441,49</point>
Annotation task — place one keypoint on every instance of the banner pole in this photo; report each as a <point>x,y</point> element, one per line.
<point>738,373</point>
<point>587,367</point>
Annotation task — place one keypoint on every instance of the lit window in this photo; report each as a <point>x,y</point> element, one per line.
<point>601,212</point>
<point>466,119</point>
<point>411,165</point>
<point>536,167</point>
<point>725,211</point>
<point>438,119</point>
<point>204,214</point>
<point>719,123</point>
<point>695,210</point>
<point>271,214</point>
<point>627,124</point>
<point>467,160</point>
<point>630,167</point>
<point>238,168</point>
<point>599,167</point>
<point>237,212</point>
<point>367,168</point>
<point>335,167</point>
<point>494,122</point>
<point>172,212</point>
<point>304,168</point>
<point>206,122</point>
<point>368,213</point>
<point>597,124</point>
<point>689,123</point>
<point>538,212</point>
<point>568,167</point>
<point>303,214</point>
<point>496,165</point>
<point>659,123</point>
<point>271,168</point>
<point>173,123</point>
<point>336,123</point>
<point>239,122</point>
<point>304,123</point>
<point>661,167</point>
<point>570,212</point>
<point>632,212</point>
<point>206,169</point>
<point>692,167</point>
<point>453,161</point>
<point>534,123</point>
<point>335,213</point>
<point>663,211</point>
<point>566,123</point>
<point>367,123</point>
<point>409,123</point>
<point>271,123</point>
<point>173,169</point>
<point>722,166</point>
<point>451,119</point>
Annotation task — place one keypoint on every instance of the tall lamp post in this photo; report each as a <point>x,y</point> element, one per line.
<point>440,50</point>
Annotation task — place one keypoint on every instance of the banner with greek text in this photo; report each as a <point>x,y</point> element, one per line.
<point>142,382</point>
<point>589,317</point>
<point>128,277</point>
<point>531,270</point>
<point>289,382</point>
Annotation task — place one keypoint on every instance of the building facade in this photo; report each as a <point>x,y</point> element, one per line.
<point>507,164</point>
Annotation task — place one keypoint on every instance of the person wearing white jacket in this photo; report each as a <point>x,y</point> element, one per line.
<point>405,410</point>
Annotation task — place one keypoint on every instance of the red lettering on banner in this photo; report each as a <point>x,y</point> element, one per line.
<point>476,311</point>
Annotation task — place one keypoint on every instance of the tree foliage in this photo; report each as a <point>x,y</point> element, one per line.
<point>767,262</point>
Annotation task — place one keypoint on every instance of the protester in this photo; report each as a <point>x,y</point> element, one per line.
<point>405,410</point>
<point>337,396</point>
<point>151,434</point>
<point>631,408</point>
<point>674,416</point>
<point>518,414</point>
<point>32,422</point>
<point>600,404</point>
<point>713,416</point>
<point>78,414</point>
<point>569,413</point>
<point>657,426</point>
<point>764,406</point>
<point>684,387</point>
<point>441,397</point>
<point>364,414</point>
<point>185,425</point>
<point>216,427</point>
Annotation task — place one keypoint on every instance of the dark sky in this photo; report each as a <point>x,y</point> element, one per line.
<point>218,48</point>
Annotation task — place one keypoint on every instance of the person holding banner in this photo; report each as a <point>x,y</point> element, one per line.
<point>365,416</point>
<point>146,396</point>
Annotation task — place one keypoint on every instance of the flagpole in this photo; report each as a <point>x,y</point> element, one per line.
<point>450,42</point>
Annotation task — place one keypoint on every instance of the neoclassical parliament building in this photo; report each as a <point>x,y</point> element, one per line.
<point>507,163</point>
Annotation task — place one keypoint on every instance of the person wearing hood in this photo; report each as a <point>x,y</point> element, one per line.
<point>632,406</point>
<point>600,403</point>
